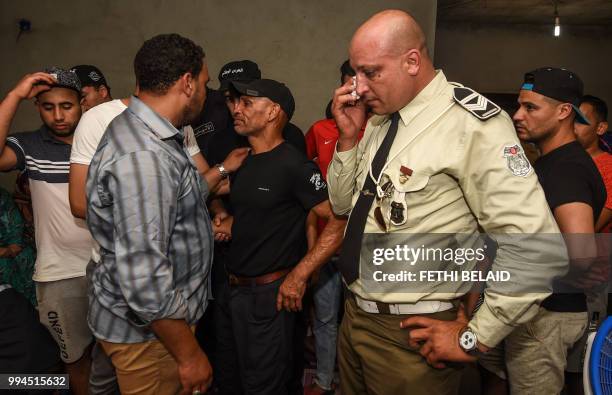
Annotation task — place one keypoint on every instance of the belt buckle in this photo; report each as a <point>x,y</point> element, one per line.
<point>233,280</point>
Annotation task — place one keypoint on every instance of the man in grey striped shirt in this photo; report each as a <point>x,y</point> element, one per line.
<point>146,209</point>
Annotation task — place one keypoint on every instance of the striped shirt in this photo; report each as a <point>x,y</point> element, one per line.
<point>146,209</point>
<point>63,242</point>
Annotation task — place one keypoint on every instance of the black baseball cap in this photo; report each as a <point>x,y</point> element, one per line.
<point>89,75</point>
<point>559,84</point>
<point>65,79</point>
<point>273,90</point>
<point>240,70</point>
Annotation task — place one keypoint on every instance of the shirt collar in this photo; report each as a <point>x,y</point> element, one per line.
<point>159,125</point>
<point>48,137</point>
<point>423,99</point>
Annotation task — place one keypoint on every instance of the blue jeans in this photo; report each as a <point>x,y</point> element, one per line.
<point>327,297</point>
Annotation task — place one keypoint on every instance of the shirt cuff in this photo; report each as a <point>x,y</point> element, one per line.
<point>344,160</point>
<point>489,330</point>
<point>174,307</point>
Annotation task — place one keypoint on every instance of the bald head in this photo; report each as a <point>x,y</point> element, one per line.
<point>389,55</point>
<point>393,32</point>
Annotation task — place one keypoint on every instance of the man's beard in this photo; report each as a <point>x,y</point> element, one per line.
<point>192,112</point>
<point>62,133</point>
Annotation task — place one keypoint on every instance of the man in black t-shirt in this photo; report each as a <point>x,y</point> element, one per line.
<point>271,195</point>
<point>216,137</point>
<point>536,352</point>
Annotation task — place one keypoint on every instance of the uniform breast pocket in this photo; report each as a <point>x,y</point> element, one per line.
<point>398,194</point>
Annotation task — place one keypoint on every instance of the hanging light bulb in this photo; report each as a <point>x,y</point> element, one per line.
<point>557,30</point>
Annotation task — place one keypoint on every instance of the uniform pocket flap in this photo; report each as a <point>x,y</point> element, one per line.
<point>406,180</point>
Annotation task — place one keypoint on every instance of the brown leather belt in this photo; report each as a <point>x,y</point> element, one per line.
<point>259,280</point>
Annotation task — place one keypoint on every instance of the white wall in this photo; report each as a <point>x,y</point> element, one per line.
<point>299,42</point>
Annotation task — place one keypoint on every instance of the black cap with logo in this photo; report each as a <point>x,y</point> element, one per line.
<point>240,70</point>
<point>65,78</point>
<point>559,84</point>
<point>89,75</point>
<point>273,90</point>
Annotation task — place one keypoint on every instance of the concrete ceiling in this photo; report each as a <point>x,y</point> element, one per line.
<point>540,12</point>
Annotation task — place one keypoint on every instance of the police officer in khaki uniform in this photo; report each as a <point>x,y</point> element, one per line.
<point>452,163</point>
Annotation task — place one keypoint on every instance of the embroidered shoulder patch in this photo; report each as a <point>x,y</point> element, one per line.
<point>481,107</point>
<point>516,160</point>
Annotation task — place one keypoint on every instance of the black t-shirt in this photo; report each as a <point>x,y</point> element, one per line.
<point>568,174</point>
<point>213,120</point>
<point>271,195</point>
<point>294,136</point>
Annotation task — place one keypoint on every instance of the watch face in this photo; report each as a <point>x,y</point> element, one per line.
<point>468,341</point>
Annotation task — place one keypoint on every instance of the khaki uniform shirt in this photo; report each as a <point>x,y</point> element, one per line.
<point>461,179</point>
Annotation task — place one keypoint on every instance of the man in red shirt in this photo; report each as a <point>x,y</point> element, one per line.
<point>588,136</point>
<point>327,293</point>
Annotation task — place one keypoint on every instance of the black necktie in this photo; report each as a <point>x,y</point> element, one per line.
<point>348,264</point>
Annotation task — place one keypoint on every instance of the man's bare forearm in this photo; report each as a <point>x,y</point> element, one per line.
<point>311,230</point>
<point>325,247</point>
<point>177,337</point>
<point>77,194</point>
<point>8,108</point>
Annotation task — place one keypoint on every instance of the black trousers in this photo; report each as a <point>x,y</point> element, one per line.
<point>255,342</point>
<point>26,346</point>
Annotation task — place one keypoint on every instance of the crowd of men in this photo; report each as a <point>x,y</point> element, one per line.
<point>179,229</point>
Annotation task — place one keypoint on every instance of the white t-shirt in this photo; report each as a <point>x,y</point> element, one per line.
<point>93,124</point>
<point>63,242</point>
<point>90,130</point>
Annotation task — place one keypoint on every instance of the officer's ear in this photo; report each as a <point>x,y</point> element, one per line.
<point>411,61</point>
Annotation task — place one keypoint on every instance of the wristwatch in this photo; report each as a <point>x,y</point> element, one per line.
<point>224,173</point>
<point>468,341</point>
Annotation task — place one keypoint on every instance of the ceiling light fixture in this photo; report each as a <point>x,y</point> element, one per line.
<point>557,30</point>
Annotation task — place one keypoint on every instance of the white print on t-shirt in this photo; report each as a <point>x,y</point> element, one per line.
<point>317,181</point>
<point>264,189</point>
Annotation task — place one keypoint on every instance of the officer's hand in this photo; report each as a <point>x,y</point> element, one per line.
<point>291,292</point>
<point>33,84</point>
<point>438,340</point>
<point>350,115</point>
<point>235,158</point>
<point>195,374</point>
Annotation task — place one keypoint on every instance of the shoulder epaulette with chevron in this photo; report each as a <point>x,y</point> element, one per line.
<point>481,107</point>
